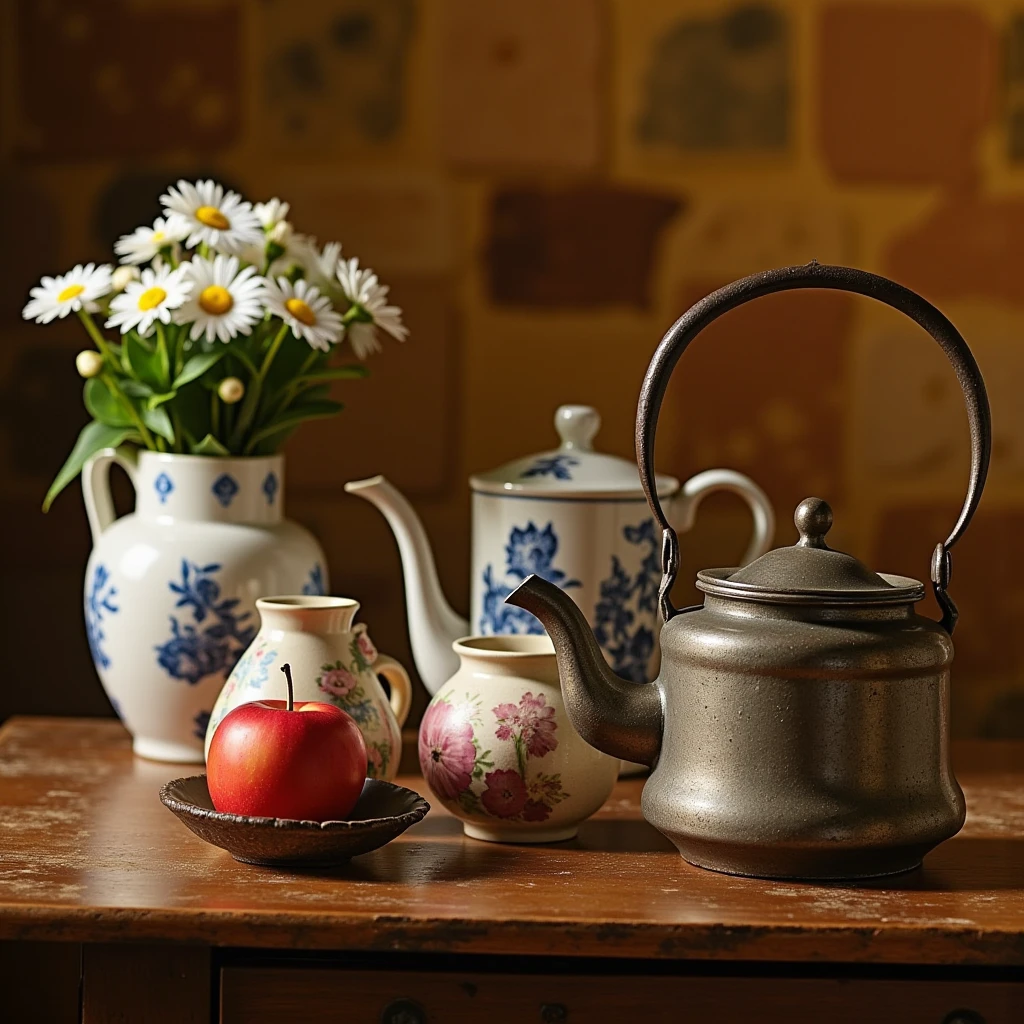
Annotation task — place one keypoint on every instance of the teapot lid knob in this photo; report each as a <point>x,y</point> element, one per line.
<point>813,519</point>
<point>577,425</point>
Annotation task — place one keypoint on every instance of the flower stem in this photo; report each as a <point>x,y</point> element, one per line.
<point>290,392</point>
<point>214,414</point>
<point>252,394</point>
<point>94,333</point>
<point>133,413</point>
<point>165,356</point>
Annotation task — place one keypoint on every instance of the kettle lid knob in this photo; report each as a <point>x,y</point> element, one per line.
<point>577,425</point>
<point>813,519</point>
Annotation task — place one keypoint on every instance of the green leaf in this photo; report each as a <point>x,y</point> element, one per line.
<point>159,422</point>
<point>354,372</point>
<point>157,400</point>
<point>134,388</point>
<point>93,438</point>
<point>143,361</point>
<point>209,446</point>
<point>103,406</point>
<point>293,417</point>
<point>198,365</point>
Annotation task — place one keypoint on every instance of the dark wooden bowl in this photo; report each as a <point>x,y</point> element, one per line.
<point>382,812</point>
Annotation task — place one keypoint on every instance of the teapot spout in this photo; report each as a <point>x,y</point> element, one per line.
<point>616,715</point>
<point>433,625</point>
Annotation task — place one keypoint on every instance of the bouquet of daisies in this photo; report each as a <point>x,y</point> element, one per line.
<point>225,323</point>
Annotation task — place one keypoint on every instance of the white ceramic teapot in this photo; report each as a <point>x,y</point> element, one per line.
<point>574,516</point>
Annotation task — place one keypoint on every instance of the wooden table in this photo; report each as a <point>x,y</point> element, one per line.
<point>133,918</point>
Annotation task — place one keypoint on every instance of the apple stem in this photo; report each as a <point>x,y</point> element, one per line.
<point>287,670</point>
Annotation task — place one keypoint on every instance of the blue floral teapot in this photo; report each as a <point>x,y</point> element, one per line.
<point>574,516</point>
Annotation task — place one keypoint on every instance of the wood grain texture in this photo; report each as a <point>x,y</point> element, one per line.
<point>89,854</point>
<point>129,984</point>
<point>314,996</point>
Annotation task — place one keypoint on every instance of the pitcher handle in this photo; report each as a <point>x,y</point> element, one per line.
<point>99,506</point>
<point>685,502</point>
<point>816,275</point>
<point>399,682</point>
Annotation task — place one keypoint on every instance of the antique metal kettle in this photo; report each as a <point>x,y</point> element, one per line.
<point>800,723</point>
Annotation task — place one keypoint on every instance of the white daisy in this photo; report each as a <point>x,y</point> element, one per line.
<point>309,314</point>
<point>223,303</point>
<point>67,293</point>
<point>289,249</point>
<point>362,289</point>
<point>143,244</point>
<point>223,220</point>
<point>321,265</point>
<point>149,299</point>
<point>271,213</point>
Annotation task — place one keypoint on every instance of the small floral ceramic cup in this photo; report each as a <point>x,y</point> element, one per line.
<point>498,750</point>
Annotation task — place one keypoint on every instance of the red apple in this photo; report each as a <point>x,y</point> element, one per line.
<point>279,759</point>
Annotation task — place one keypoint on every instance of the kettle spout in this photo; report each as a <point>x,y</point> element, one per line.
<point>618,716</point>
<point>433,625</point>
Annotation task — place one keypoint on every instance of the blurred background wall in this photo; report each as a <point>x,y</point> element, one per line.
<point>547,185</point>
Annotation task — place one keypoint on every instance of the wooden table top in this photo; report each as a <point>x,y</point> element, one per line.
<point>89,854</point>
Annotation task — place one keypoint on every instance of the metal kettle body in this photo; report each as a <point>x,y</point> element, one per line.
<point>804,746</point>
<point>799,726</point>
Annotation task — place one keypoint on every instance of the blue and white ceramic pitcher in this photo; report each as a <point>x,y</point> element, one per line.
<point>573,515</point>
<point>171,588</point>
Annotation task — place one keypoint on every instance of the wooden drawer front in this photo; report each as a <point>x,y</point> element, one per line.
<point>332,996</point>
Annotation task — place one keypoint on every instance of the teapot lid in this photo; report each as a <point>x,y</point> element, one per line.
<point>574,469</point>
<point>809,572</point>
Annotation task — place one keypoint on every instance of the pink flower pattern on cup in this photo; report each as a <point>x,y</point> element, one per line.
<point>337,681</point>
<point>531,724</point>
<point>366,647</point>
<point>452,760</point>
<point>448,753</point>
<point>340,681</point>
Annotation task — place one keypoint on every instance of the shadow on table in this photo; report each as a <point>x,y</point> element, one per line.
<point>437,850</point>
<point>968,864</point>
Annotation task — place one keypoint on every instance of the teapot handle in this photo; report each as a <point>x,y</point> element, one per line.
<point>815,275</point>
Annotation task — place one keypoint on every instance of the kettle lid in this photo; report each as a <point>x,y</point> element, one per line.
<point>572,470</point>
<point>809,572</point>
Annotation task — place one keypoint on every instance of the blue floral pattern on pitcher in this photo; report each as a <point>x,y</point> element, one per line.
<point>201,723</point>
<point>530,550</point>
<point>270,486</point>
<point>215,638</point>
<point>163,485</point>
<point>225,487</point>
<point>99,602</point>
<point>314,586</point>
<point>552,465</point>
<point>625,595</point>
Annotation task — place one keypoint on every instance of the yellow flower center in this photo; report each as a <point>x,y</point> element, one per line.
<point>212,218</point>
<point>72,291</point>
<point>158,236</point>
<point>300,311</point>
<point>151,298</point>
<point>215,300</point>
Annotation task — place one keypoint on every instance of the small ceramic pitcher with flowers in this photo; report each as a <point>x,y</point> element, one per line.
<point>332,660</point>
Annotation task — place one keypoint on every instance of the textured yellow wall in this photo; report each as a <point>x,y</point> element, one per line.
<point>546,186</point>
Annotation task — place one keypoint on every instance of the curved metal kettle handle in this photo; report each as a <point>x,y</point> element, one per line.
<point>815,275</point>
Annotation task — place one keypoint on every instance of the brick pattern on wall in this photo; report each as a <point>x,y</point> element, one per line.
<point>546,187</point>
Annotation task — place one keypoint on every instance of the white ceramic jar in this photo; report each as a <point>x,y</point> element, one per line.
<point>171,588</point>
<point>498,750</point>
<point>332,659</point>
